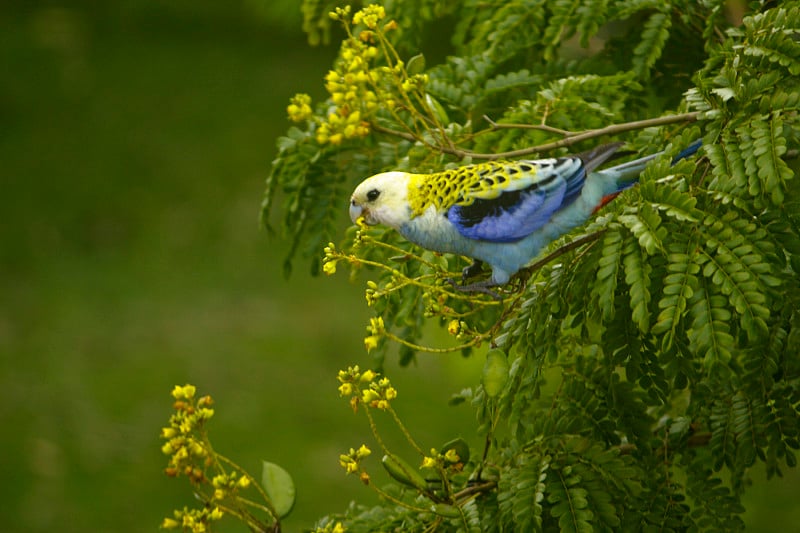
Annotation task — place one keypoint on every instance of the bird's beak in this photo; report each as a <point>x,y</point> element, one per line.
<point>355,211</point>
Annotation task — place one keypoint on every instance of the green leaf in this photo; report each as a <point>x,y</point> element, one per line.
<point>416,65</point>
<point>459,446</point>
<point>637,276</point>
<point>654,38</point>
<point>495,372</point>
<point>279,486</point>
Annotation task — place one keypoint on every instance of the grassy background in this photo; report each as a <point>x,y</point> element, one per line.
<point>135,138</point>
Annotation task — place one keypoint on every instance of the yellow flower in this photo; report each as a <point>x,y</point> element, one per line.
<point>243,482</point>
<point>368,396</point>
<point>345,389</point>
<point>216,514</point>
<point>376,325</point>
<point>184,393</point>
<point>219,494</point>
<point>205,401</point>
<point>197,448</point>
<point>390,393</point>
<point>181,454</point>
<point>454,327</point>
<point>371,342</point>
<point>300,108</point>
<point>363,451</point>
<point>368,376</point>
<point>451,456</point>
<point>428,462</point>
<point>170,523</point>
<point>338,528</point>
<point>329,267</point>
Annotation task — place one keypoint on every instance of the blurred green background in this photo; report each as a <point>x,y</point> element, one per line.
<point>135,138</point>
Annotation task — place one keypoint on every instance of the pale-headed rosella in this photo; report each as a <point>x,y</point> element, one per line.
<point>499,213</point>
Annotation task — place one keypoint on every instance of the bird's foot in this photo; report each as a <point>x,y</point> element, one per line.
<point>480,287</point>
<point>472,270</point>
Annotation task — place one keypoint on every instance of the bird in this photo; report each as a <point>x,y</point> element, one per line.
<point>501,213</point>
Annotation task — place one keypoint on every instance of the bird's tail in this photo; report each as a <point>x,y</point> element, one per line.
<point>627,174</point>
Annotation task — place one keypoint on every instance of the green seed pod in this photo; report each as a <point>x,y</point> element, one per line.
<point>447,511</point>
<point>403,472</point>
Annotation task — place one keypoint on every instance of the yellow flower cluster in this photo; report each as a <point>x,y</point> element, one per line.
<point>370,16</point>
<point>227,484</point>
<point>194,520</point>
<point>330,259</point>
<point>436,459</point>
<point>352,84</point>
<point>366,388</point>
<point>416,82</point>
<point>186,451</point>
<point>379,394</point>
<point>351,460</point>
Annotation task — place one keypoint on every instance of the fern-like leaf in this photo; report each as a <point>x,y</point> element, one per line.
<point>637,276</point>
<point>654,38</point>
<point>679,286</point>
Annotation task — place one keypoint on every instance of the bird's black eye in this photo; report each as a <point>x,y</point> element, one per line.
<point>373,195</point>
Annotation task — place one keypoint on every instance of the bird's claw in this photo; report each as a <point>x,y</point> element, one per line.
<point>471,270</point>
<point>481,287</point>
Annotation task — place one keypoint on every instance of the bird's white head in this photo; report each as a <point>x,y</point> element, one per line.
<point>382,199</point>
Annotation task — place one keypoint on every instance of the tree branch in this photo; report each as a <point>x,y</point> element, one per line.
<point>540,127</point>
<point>486,486</point>
<point>568,140</point>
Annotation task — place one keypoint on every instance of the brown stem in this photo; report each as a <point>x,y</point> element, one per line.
<point>566,141</point>
<point>540,127</point>
<point>486,486</point>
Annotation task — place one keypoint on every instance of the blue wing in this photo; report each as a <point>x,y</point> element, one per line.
<point>515,214</point>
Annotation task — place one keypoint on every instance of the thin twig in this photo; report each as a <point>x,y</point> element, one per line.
<point>486,486</point>
<point>567,141</point>
<point>540,127</point>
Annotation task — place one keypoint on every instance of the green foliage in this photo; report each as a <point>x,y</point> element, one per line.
<point>642,371</point>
